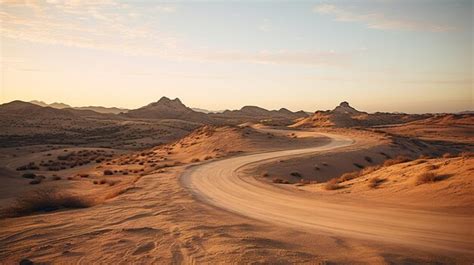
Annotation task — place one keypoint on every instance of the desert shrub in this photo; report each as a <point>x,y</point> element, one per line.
<point>54,177</point>
<point>46,200</point>
<point>29,176</point>
<point>424,156</point>
<point>36,181</point>
<point>332,185</point>
<point>280,181</point>
<point>108,172</point>
<point>427,177</point>
<point>325,164</point>
<point>265,174</point>
<point>194,160</point>
<point>369,170</point>
<point>84,175</point>
<point>432,167</point>
<point>385,155</point>
<point>396,160</point>
<point>102,181</point>
<point>348,176</point>
<point>95,182</point>
<point>358,165</point>
<point>368,159</point>
<point>296,174</point>
<point>207,157</point>
<point>375,182</point>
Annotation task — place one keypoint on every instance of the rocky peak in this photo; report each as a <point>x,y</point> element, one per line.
<point>165,102</point>
<point>345,108</point>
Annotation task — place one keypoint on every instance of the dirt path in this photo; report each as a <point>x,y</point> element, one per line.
<point>222,184</point>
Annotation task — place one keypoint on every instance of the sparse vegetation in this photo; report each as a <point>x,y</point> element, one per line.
<point>358,165</point>
<point>280,181</point>
<point>29,176</point>
<point>428,177</point>
<point>46,200</point>
<point>396,160</point>
<point>332,185</point>
<point>108,172</point>
<point>375,182</point>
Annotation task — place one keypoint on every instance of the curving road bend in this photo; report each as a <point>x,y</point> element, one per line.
<point>220,184</point>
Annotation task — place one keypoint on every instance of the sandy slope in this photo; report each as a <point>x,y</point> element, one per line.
<point>220,184</point>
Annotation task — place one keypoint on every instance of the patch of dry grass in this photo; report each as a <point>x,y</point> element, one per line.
<point>428,177</point>
<point>396,160</point>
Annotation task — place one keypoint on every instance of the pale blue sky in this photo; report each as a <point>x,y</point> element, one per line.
<point>411,56</point>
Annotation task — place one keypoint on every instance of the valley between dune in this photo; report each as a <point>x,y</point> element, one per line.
<point>226,184</point>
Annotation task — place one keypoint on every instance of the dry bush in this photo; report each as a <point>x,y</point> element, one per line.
<point>369,170</point>
<point>427,177</point>
<point>194,160</point>
<point>332,185</point>
<point>36,181</point>
<point>296,174</point>
<point>375,182</point>
<point>358,165</point>
<point>368,159</point>
<point>432,167</point>
<point>54,177</point>
<point>347,176</point>
<point>108,172</point>
<point>46,200</point>
<point>29,176</point>
<point>396,160</point>
<point>280,181</point>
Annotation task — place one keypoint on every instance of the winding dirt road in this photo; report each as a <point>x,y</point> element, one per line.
<point>222,184</point>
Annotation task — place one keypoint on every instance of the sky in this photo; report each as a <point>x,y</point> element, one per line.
<point>381,55</point>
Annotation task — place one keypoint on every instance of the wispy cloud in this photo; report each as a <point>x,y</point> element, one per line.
<point>111,26</point>
<point>82,24</point>
<point>377,20</point>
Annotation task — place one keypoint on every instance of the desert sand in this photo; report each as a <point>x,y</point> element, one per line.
<point>217,193</point>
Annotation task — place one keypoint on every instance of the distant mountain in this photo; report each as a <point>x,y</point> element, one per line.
<point>166,108</point>
<point>257,114</point>
<point>55,105</point>
<point>105,110</point>
<point>98,109</point>
<point>25,110</point>
<point>346,116</point>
